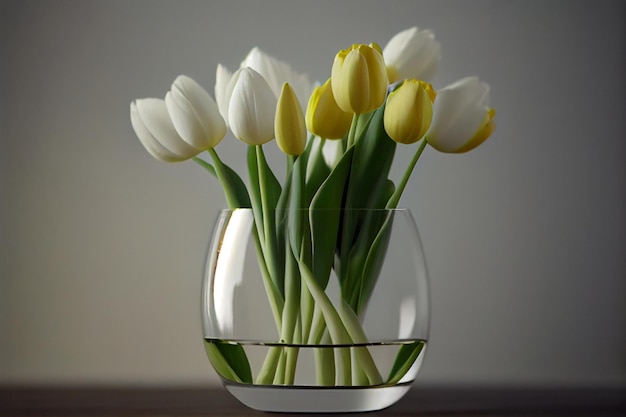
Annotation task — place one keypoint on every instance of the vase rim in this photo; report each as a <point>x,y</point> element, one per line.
<point>397,209</point>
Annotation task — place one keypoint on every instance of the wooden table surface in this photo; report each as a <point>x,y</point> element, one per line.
<point>440,402</point>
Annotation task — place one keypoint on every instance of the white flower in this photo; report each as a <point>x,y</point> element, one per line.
<point>275,72</point>
<point>252,108</point>
<point>155,130</point>
<point>194,114</point>
<point>412,53</point>
<point>462,118</point>
<point>224,84</point>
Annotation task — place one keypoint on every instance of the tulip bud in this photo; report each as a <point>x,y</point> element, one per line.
<point>194,114</point>
<point>324,118</point>
<point>359,79</point>
<point>251,109</point>
<point>462,119</point>
<point>289,123</point>
<point>412,53</point>
<point>408,112</point>
<point>156,132</point>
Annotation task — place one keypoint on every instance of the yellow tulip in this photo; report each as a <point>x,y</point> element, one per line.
<point>408,112</point>
<point>324,118</point>
<point>359,79</point>
<point>289,123</point>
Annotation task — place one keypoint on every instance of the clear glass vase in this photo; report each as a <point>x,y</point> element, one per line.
<point>328,313</point>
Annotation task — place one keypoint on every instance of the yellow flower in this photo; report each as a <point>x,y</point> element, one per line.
<point>462,118</point>
<point>408,112</point>
<point>359,79</point>
<point>289,123</point>
<point>324,118</point>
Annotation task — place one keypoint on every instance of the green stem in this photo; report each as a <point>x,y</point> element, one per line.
<point>290,161</point>
<point>279,376</point>
<point>291,361</point>
<point>292,299</point>
<point>338,333</point>
<point>395,198</point>
<point>290,332</point>
<point>268,218</point>
<point>268,371</point>
<point>277,302</point>
<point>359,377</point>
<point>352,132</point>
<point>363,355</point>
<point>205,165</point>
<point>307,307</point>
<point>325,363</point>
<point>345,366</point>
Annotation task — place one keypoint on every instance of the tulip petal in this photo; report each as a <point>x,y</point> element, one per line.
<point>156,132</point>
<point>271,69</point>
<point>223,89</point>
<point>408,112</point>
<point>459,112</point>
<point>412,53</point>
<point>276,73</point>
<point>289,123</point>
<point>359,79</point>
<point>252,108</point>
<point>324,118</point>
<point>195,114</point>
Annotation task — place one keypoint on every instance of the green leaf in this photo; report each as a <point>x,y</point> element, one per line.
<point>229,360</point>
<point>369,187</point>
<point>325,218</point>
<point>374,261</point>
<point>407,354</point>
<point>318,171</point>
<point>373,157</point>
<point>266,191</point>
<point>234,187</point>
<point>270,186</point>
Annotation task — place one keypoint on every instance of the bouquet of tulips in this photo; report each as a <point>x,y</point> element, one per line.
<point>339,150</point>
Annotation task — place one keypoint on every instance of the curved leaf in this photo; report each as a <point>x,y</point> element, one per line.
<point>234,187</point>
<point>325,218</point>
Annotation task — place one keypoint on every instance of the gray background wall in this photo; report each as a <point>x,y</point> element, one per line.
<point>102,246</point>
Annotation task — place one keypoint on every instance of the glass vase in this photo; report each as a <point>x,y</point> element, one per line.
<point>329,312</point>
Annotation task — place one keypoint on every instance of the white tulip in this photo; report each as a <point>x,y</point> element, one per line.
<point>462,118</point>
<point>194,114</point>
<point>252,108</point>
<point>277,73</point>
<point>412,53</point>
<point>155,130</point>
<point>223,89</point>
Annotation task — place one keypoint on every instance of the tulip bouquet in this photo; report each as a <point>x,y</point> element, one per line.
<point>339,150</point>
